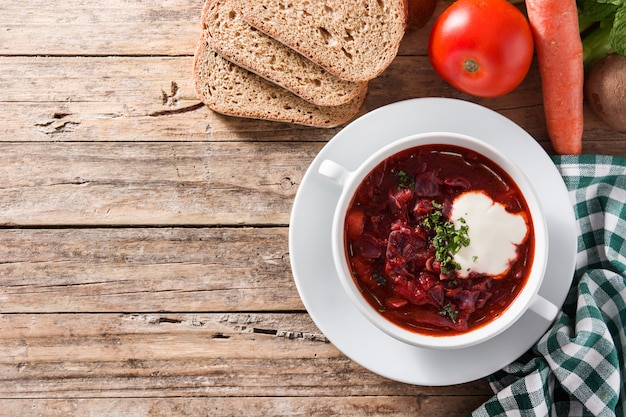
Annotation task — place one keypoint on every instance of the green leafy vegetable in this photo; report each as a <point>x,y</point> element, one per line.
<point>448,239</point>
<point>618,34</point>
<point>596,45</point>
<point>602,25</point>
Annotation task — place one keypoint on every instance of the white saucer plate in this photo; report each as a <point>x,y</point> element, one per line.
<point>312,262</point>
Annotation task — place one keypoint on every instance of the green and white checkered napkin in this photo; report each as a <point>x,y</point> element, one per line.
<point>578,367</point>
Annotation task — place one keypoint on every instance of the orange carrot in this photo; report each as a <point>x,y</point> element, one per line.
<point>560,58</point>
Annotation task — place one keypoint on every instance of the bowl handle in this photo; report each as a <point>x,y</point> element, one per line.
<point>333,171</point>
<point>544,308</point>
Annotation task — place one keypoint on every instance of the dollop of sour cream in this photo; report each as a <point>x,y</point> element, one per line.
<point>494,234</point>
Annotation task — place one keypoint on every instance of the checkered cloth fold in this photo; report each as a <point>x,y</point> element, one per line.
<point>578,367</point>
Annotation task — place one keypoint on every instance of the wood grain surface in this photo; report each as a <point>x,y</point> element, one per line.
<point>144,262</point>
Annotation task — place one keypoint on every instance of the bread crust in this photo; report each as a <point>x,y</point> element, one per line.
<point>232,37</point>
<point>234,91</point>
<point>354,39</point>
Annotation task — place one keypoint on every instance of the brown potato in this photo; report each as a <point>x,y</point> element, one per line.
<point>605,90</point>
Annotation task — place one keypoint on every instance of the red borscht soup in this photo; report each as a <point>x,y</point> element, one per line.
<point>412,217</point>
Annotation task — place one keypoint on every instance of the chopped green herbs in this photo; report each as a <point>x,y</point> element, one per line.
<point>379,278</point>
<point>452,283</point>
<point>404,179</point>
<point>434,218</point>
<point>448,311</point>
<point>448,239</point>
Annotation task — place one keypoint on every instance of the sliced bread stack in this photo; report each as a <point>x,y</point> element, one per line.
<point>300,61</point>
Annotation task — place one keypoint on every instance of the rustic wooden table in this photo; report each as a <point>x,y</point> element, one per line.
<point>144,265</point>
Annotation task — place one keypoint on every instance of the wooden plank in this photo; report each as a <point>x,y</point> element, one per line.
<point>153,99</point>
<point>150,184</point>
<point>119,99</point>
<point>191,121</point>
<point>108,183</point>
<point>146,269</point>
<point>111,27</point>
<point>178,355</point>
<point>374,406</point>
<point>162,82</point>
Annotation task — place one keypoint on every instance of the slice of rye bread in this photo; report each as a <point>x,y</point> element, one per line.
<point>354,39</point>
<point>230,35</point>
<point>234,91</point>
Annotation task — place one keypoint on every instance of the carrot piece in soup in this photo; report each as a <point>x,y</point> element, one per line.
<point>355,221</point>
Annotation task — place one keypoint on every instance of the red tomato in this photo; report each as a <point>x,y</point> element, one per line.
<point>481,47</point>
